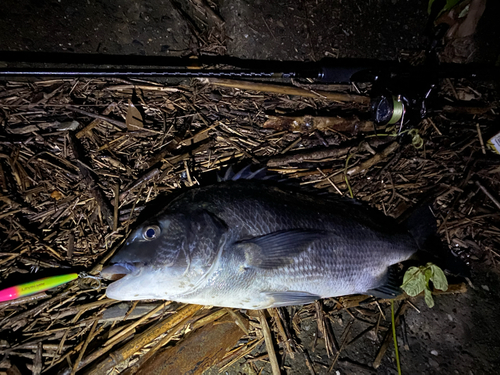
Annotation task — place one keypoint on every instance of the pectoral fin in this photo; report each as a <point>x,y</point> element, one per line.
<point>278,249</point>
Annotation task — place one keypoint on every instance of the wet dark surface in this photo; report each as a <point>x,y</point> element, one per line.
<point>114,27</point>
<point>287,29</point>
<point>299,30</point>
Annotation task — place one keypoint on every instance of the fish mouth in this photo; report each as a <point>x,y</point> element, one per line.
<point>118,270</point>
<point>129,281</point>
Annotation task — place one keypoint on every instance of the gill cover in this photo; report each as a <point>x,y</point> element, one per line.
<point>166,256</point>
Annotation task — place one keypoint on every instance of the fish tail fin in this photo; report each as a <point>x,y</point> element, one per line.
<point>423,228</point>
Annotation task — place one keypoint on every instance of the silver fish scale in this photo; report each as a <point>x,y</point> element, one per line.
<point>353,258</point>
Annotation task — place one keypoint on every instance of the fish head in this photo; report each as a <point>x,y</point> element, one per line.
<point>165,257</point>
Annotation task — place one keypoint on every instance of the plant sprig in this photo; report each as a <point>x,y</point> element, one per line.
<point>416,280</point>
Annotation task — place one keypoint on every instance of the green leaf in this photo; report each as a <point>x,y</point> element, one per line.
<point>428,298</point>
<point>449,4</point>
<point>429,6</point>
<point>428,274</point>
<point>413,281</point>
<point>439,278</point>
<point>416,280</point>
<point>410,274</point>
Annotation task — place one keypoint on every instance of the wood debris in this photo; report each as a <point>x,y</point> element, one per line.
<point>78,167</point>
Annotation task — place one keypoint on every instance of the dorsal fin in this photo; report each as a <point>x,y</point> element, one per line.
<point>244,173</point>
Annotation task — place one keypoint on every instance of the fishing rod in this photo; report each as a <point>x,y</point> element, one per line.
<point>36,64</point>
<point>399,91</point>
<point>98,65</point>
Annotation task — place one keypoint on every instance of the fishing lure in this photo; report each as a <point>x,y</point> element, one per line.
<point>36,286</point>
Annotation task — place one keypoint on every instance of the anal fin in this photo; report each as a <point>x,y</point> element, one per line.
<point>390,287</point>
<point>291,298</point>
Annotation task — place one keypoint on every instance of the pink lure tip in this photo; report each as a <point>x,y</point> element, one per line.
<point>9,294</point>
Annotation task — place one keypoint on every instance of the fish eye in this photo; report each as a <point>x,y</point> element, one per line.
<point>151,232</point>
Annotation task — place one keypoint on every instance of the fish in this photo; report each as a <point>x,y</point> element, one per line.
<point>254,244</point>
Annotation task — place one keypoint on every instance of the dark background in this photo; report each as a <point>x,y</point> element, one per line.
<point>286,29</point>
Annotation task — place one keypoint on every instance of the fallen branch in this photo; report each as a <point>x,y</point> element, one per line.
<point>268,338</point>
<point>142,87</point>
<point>307,155</point>
<point>120,124</point>
<point>138,342</point>
<point>488,194</point>
<point>141,180</point>
<point>286,90</point>
<point>149,358</point>
<point>197,352</point>
<point>281,330</point>
<point>86,343</point>
<point>208,12</point>
<point>90,181</point>
<point>352,125</point>
<point>362,167</point>
<point>353,301</point>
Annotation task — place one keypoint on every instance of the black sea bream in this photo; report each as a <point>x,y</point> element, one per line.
<point>252,244</point>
